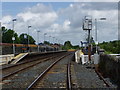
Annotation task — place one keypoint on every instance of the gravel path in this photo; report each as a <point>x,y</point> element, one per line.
<point>87,77</point>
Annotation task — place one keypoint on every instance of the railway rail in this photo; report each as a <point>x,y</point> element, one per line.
<point>69,83</point>
<point>102,78</point>
<point>11,70</point>
<point>42,75</point>
<point>63,68</point>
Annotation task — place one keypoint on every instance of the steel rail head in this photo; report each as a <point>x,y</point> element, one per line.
<point>99,74</point>
<point>10,74</point>
<point>69,86</point>
<point>44,73</point>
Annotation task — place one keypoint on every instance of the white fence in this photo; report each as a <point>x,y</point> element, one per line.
<point>83,59</point>
<point>4,59</point>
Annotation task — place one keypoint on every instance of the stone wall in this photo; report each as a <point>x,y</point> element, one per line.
<point>109,66</point>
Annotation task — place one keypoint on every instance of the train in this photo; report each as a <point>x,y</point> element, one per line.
<point>7,48</point>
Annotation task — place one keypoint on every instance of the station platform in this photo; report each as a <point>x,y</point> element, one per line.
<point>18,57</point>
<point>4,59</point>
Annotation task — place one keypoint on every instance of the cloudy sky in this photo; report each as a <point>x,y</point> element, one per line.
<point>62,20</point>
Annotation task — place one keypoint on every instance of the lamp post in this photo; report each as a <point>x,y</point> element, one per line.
<point>44,36</point>
<point>44,40</point>
<point>13,38</point>
<point>56,40</point>
<point>96,41</point>
<point>28,38</point>
<point>53,40</point>
<point>38,39</point>
<point>49,38</point>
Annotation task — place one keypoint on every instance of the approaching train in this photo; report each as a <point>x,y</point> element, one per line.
<point>7,48</point>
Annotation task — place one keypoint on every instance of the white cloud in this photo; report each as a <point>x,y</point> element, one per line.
<point>27,16</point>
<point>66,23</point>
<point>6,19</point>
<point>79,11</point>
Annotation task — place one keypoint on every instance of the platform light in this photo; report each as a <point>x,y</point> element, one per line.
<point>96,41</point>
<point>28,38</point>
<point>44,36</point>
<point>38,39</point>
<point>13,38</point>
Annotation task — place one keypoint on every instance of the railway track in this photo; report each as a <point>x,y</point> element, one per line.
<point>11,70</point>
<point>35,83</point>
<point>58,73</point>
<point>24,62</point>
<point>69,83</point>
<point>102,78</point>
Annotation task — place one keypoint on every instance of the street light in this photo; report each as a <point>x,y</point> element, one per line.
<point>53,40</point>
<point>38,39</point>
<point>96,31</point>
<point>49,38</point>
<point>28,37</point>
<point>44,36</point>
<point>44,40</point>
<point>13,38</point>
<point>56,41</point>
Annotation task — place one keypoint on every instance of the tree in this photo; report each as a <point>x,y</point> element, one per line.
<point>24,39</point>
<point>111,47</point>
<point>31,39</point>
<point>67,45</point>
<point>7,36</point>
<point>46,42</point>
<point>76,47</point>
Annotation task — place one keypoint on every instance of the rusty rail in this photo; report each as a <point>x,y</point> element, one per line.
<point>69,86</point>
<point>10,74</point>
<point>44,73</point>
<point>101,77</point>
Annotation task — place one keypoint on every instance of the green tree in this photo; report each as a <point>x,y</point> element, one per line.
<point>31,40</point>
<point>67,45</point>
<point>76,47</point>
<point>24,39</point>
<point>111,47</point>
<point>7,35</point>
<point>46,42</point>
